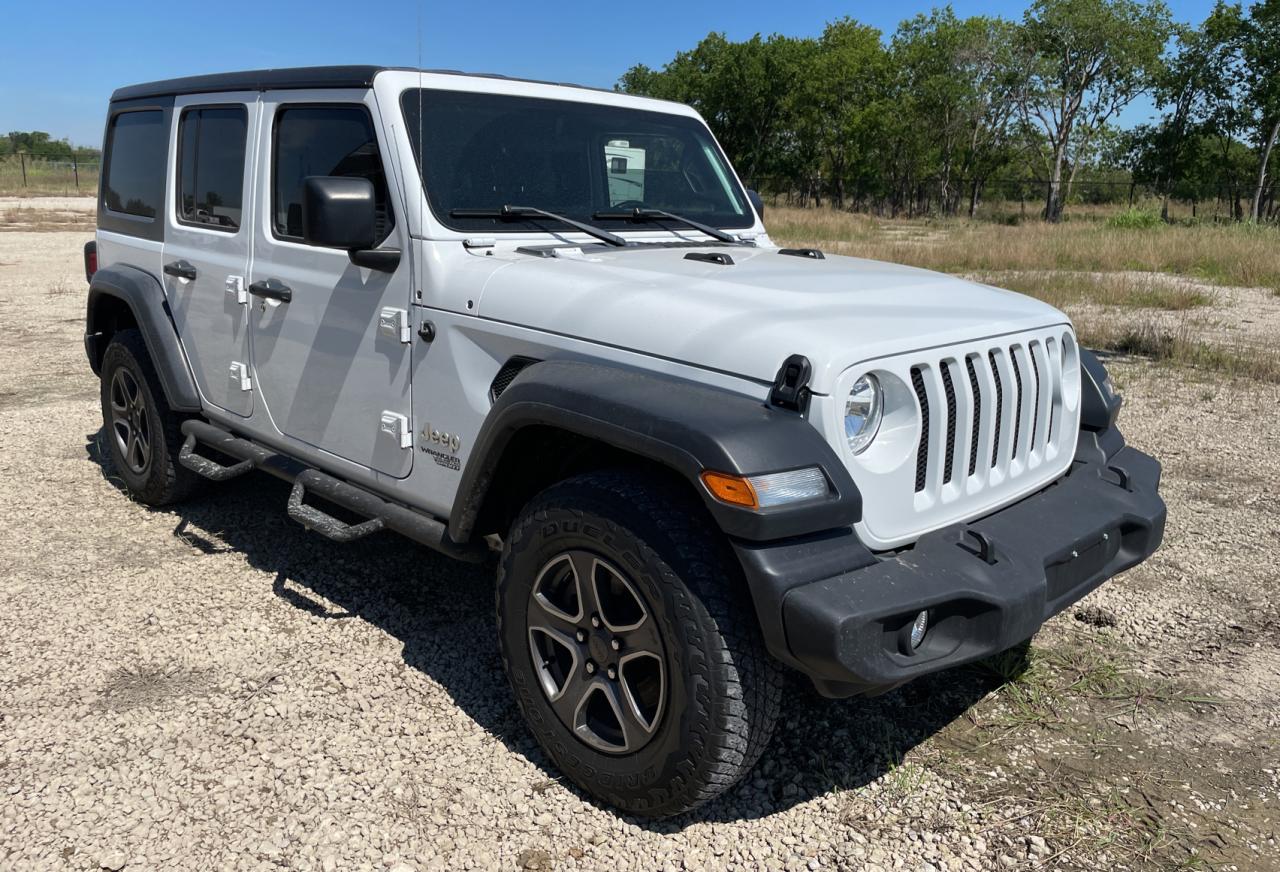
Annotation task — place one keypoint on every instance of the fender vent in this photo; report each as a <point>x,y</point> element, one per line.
<point>507,375</point>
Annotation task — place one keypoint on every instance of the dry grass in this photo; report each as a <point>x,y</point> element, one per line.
<point>32,218</point>
<point>1126,290</point>
<point>45,179</point>
<point>1080,264</point>
<point>1221,254</point>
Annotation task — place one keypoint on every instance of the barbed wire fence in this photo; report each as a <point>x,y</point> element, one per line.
<point>36,171</point>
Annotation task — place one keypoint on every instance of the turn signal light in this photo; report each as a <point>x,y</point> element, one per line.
<point>732,489</point>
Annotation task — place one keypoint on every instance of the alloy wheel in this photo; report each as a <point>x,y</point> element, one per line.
<point>597,651</point>
<point>130,423</point>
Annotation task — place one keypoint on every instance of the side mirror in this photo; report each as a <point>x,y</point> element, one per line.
<point>757,201</point>
<point>340,212</point>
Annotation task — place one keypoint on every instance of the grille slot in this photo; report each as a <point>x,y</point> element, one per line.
<point>948,465</point>
<point>977,415</point>
<point>922,454</point>
<point>1018,401</point>
<point>995,373</point>
<point>1035,403</point>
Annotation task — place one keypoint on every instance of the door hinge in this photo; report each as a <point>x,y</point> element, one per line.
<point>397,426</point>
<point>394,323</point>
<point>239,374</point>
<point>235,286</point>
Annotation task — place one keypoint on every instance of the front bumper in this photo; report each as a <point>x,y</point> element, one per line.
<point>987,585</point>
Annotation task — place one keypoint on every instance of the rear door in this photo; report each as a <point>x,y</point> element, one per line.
<point>206,246</point>
<point>332,364</point>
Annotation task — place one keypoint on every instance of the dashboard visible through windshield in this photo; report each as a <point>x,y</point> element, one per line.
<point>486,151</point>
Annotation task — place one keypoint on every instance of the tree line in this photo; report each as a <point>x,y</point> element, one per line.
<point>39,144</point>
<point>949,105</point>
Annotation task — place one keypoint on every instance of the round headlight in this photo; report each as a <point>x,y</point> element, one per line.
<point>862,413</point>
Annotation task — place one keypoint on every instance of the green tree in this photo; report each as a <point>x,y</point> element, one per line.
<point>1085,60</point>
<point>959,83</point>
<point>1262,76</point>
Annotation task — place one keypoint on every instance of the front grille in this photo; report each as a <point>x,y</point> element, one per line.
<point>1013,427</point>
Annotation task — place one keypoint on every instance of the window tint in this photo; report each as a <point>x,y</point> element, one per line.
<point>136,157</point>
<point>323,141</point>
<point>211,166</point>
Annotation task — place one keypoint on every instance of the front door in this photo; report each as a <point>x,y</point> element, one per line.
<point>332,363</point>
<point>206,247</point>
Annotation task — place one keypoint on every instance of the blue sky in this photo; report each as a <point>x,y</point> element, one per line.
<point>60,61</point>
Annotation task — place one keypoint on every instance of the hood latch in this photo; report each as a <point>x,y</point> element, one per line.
<point>791,385</point>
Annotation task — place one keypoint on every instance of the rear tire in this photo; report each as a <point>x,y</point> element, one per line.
<point>143,435</point>
<point>682,707</point>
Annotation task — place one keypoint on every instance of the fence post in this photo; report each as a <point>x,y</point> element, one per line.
<point>22,157</point>
<point>75,169</point>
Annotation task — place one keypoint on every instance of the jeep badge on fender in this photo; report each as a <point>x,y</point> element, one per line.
<point>704,459</point>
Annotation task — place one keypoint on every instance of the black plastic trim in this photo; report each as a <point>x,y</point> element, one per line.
<point>835,611</point>
<point>809,253</point>
<point>298,78</point>
<point>686,426</point>
<point>144,296</point>
<point>1099,408</point>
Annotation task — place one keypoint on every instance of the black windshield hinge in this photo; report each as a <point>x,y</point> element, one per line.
<point>791,385</point>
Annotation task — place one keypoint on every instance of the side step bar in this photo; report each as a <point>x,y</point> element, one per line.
<point>381,514</point>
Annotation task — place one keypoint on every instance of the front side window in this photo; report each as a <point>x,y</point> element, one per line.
<point>133,183</point>
<point>211,145</point>
<point>323,141</point>
<point>485,151</point>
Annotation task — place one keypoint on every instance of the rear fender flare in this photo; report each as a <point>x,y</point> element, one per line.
<point>145,299</point>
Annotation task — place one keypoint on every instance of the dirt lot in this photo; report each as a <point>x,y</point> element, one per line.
<point>214,687</point>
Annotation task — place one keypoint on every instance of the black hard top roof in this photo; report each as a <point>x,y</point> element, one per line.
<point>294,78</point>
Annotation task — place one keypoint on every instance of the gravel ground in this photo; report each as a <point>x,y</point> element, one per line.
<point>213,687</point>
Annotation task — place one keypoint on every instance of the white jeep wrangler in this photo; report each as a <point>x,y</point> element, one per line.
<point>497,314</point>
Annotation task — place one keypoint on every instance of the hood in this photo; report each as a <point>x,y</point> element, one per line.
<point>747,318</point>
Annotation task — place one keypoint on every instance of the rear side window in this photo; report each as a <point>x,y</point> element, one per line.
<point>136,153</point>
<point>211,146</point>
<point>323,141</point>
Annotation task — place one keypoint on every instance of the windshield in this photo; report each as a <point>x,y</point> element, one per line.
<point>486,151</point>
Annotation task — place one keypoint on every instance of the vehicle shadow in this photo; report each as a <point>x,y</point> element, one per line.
<point>442,612</point>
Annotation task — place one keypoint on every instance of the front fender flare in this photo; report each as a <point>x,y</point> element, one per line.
<point>145,298</point>
<point>685,426</point>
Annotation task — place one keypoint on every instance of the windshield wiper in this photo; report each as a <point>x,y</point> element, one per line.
<point>516,213</point>
<point>659,215</point>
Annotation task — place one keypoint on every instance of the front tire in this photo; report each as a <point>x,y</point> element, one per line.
<point>631,645</point>
<point>142,433</point>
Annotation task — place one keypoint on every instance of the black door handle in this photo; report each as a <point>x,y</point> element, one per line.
<point>273,289</point>
<point>180,269</point>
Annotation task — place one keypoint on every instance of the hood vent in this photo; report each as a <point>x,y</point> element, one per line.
<point>710,257</point>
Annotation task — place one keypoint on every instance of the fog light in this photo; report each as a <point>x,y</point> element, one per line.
<point>918,629</point>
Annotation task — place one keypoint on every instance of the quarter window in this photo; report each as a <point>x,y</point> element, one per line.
<point>324,141</point>
<point>211,166</point>
<point>136,153</point>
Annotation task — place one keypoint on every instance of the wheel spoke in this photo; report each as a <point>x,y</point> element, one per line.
<point>633,729</point>
<point>643,638</point>
<point>584,569</point>
<point>642,677</point>
<point>573,696</point>
<point>620,605</point>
